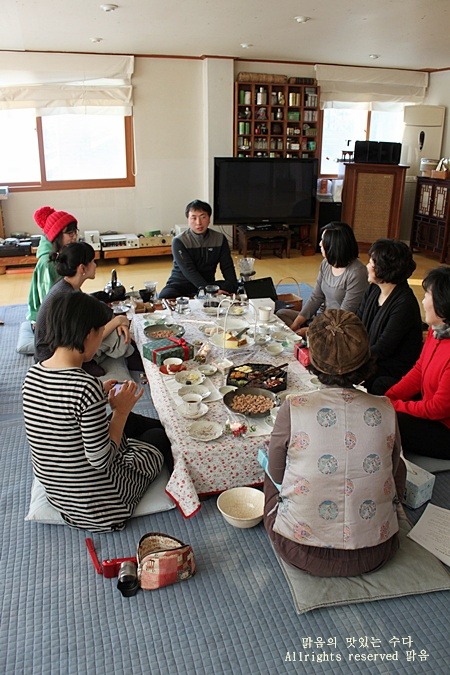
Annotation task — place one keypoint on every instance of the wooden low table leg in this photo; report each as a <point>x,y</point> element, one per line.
<point>2,269</point>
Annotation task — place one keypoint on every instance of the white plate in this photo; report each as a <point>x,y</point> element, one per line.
<point>218,340</point>
<point>183,411</point>
<point>205,431</point>
<point>232,323</point>
<point>186,377</point>
<point>207,369</point>
<point>200,389</point>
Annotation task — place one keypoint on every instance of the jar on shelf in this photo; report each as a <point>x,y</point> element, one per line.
<point>279,115</point>
<point>247,97</point>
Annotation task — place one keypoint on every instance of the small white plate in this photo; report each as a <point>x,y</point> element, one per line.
<point>219,339</point>
<point>187,377</point>
<point>207,369</point>
<point>200,389</point>
<point>205,431</point>
<point>183,411</point>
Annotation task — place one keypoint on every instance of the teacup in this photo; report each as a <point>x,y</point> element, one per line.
<point>264,313</point>
<point>192,403</point>
<point>173,365</point>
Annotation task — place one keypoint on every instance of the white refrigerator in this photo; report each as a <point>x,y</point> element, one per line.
<point>422,138</point>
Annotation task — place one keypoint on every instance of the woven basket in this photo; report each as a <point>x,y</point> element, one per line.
<point>263,78</point>
<point>294,301</point>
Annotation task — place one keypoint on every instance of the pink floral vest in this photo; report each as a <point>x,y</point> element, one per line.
<point>338,489</point>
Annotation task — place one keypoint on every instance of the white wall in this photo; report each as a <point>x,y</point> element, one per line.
<point>439,94</point>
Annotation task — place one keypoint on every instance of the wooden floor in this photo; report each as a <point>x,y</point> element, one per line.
<point>14,285</point>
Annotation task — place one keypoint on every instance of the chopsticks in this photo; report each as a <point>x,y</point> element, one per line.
<point>270,372</point>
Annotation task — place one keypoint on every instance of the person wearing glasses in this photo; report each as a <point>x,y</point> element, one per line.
<point>60,228</point>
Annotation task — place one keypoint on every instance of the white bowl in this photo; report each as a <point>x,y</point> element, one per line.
<point>242,507</point>
<point>274,348</point>
<point>226,388</point>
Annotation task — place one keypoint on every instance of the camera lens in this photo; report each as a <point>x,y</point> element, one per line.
<point>128,582</point>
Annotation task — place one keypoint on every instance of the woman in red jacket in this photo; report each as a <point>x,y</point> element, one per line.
<point>422,397</point>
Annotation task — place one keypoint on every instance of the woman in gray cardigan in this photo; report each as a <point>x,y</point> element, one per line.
<point>341,281</point>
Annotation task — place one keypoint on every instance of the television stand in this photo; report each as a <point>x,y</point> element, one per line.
<point>244,236</point>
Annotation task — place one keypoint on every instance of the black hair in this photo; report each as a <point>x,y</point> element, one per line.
<point>339,244</point>
<point>198,205</point>
<point>58,240</point>
<point>346,380</point>
<point>72,255</point>
<point>437,282</point>
<point>392,259</point>
<point>70,318</point>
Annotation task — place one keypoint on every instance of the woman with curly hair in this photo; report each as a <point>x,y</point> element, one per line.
<point>391,314</point>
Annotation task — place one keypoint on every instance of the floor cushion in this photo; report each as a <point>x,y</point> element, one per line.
<point>154,501</point>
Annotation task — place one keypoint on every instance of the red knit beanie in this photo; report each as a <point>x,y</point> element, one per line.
<point>53,222</point>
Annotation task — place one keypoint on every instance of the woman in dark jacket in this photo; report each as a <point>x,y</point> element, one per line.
<point>391,314</point>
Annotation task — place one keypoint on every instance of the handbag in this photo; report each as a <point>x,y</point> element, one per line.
<point>163,560</point>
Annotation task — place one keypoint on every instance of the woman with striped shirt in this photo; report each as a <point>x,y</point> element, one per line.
<point>95,470</point>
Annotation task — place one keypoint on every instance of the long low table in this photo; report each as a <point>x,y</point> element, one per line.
<point>205,468</point>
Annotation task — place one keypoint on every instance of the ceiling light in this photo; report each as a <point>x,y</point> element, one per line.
<point>302,19</point>
<point>246,45</point>
<point>96,39</point>
<point>374,56</point>
<point>109,8</point>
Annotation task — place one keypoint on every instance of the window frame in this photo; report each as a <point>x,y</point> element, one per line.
<point>45,185</point>
<point>368,127</point>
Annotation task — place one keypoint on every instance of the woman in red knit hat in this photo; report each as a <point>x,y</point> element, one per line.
<point>60,228</point>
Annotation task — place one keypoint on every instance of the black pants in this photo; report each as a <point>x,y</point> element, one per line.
<point>150,431</point>
<point>424,437</point>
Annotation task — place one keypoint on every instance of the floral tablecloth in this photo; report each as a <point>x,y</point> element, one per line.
<point>202,468</point>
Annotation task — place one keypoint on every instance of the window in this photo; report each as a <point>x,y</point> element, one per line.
<point>343,126</point>
<point>65,151</point>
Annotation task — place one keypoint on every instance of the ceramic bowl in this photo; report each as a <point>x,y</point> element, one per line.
<point>226,389</point>
<point>242,507</point>
<point>274,348</point>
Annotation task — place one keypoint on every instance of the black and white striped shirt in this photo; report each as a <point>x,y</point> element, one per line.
<point>94,484</point>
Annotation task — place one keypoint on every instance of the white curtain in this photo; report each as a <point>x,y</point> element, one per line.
<point>369,88</point>
<point>66,83</point>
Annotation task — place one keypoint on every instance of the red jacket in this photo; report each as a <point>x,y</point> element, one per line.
<point>429,377</point>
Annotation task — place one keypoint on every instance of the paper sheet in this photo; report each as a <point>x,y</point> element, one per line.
<point>432,532</point>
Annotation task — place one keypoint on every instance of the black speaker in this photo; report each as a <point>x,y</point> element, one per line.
<point>366,151</point>
<point>390,152</point>
<point>373,152</point>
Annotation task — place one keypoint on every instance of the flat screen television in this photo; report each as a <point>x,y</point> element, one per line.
<point>261,191</point>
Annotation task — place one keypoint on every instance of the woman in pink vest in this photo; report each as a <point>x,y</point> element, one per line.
<point>334,461</point>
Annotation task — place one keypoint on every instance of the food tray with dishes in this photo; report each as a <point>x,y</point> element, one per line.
<point>262,375</point>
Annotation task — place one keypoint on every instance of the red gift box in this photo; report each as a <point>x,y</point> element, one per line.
<point>302,355</point>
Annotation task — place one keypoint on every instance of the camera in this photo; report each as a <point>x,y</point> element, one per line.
<point>111,567</point>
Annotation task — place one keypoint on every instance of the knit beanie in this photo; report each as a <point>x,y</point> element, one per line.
<point>53,222</point>
<point>338,342</point>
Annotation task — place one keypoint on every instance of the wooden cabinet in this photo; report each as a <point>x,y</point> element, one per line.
<point>276,120</point>
<point>430,230</point>
<point>372,198</point>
